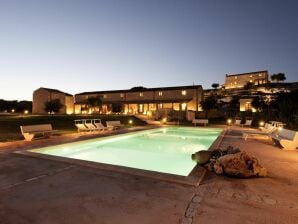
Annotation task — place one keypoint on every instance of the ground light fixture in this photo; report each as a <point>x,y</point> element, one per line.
<point>164,120</point>
<point>26,112</point>
<point>229,121</point>
<point>130,121</point>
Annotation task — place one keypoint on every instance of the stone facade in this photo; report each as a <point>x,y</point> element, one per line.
<point>43,95</point>
<point>142,100</point>
<point>240,80</point>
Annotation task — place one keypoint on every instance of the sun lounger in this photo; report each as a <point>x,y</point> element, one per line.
<point>247,123</point>
<point>237,122</point>
<point>99,126</point>
<point>89,124</point>
<point>266,132</point>
<point>80,124</point>
<point>31,132</point>
<point>286,138</point>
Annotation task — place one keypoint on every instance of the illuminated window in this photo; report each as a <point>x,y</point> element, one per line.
<point>121,95</point>
<point>160,93</point>
<point>183,92</point>
<point>159,106</point>
<point>141,94</point>
<point>250,76</point>
<point>104,96</point>
<point>235,83</point>
<point>183,106</point>
<point>250,80</point>
<point>260,74</point>
<point>235,77</point>
<point>248,106</point>
<point>141,108</point>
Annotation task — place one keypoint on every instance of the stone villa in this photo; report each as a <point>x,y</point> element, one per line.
<point>137,100</point>
<point>240,80</point>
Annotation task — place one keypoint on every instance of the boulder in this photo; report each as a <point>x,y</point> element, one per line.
<point>201,157</point>
<point>239,165</point>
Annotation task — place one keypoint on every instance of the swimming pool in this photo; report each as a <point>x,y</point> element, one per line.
<point>165,150</point>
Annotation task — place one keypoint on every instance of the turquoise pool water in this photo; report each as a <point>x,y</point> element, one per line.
<point>166,150</point>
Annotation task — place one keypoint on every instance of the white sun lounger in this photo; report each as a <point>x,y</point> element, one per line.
<point>288,139</point>
<point>267,132</point>
<point>99,126</point>
<point>80,124</point>
<point>89,124</point>
<point>247,123</point>
<point>237,122</point>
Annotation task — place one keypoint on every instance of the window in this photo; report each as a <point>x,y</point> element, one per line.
<point>141,94</point>
<point>104,96</point>
<point>248,106</point>
<point>250,80</point>
<point>141,108</point>
<point>159,106</point>
<point>183,92</point>
<point>121,95</point>
<point>183,106</point>
<point>235,77</point>
<point>159,93</point>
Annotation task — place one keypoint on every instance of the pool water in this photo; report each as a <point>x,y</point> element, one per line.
<point>166,150</point>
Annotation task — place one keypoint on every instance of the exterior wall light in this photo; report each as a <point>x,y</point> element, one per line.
<point>164,120</point>
<point>130,121</point>
<point>261,123</point>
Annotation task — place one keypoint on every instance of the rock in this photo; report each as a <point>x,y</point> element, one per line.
<point>201,157</point>
<point>239,165</point>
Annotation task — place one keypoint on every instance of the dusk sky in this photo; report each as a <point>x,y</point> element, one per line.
<point>77,46</point>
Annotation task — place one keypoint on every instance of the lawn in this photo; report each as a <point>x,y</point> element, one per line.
<point>10,124</point>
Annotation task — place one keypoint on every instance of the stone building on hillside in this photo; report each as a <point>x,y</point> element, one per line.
<point>240,80</point>
<point>142,100</point>
<point>43,95</point>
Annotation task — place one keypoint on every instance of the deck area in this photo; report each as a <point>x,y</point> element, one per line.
<point>35,190</point>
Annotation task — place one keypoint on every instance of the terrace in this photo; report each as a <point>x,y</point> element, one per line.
<point>38,190</point>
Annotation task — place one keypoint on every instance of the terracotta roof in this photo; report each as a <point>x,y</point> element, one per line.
<point>55,90</point>
<point>247,73</point>
<point>142,90</point>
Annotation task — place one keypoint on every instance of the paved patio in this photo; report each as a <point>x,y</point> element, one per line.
<point>34,190</point>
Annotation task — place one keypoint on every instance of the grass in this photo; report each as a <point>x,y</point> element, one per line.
<point>10,124</point>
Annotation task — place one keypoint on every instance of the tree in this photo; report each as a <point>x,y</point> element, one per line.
<point>93,102</point>
<point>209,103</point>
<point>279,77</point>
<point>286,105</point>
<point>259,104</point>
<point>53,106</point>
<point>215,85</point>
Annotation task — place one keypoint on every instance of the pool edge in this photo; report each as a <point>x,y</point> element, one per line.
<point>193,179</point>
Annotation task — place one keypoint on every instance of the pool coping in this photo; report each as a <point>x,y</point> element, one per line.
<point>193,179</point>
